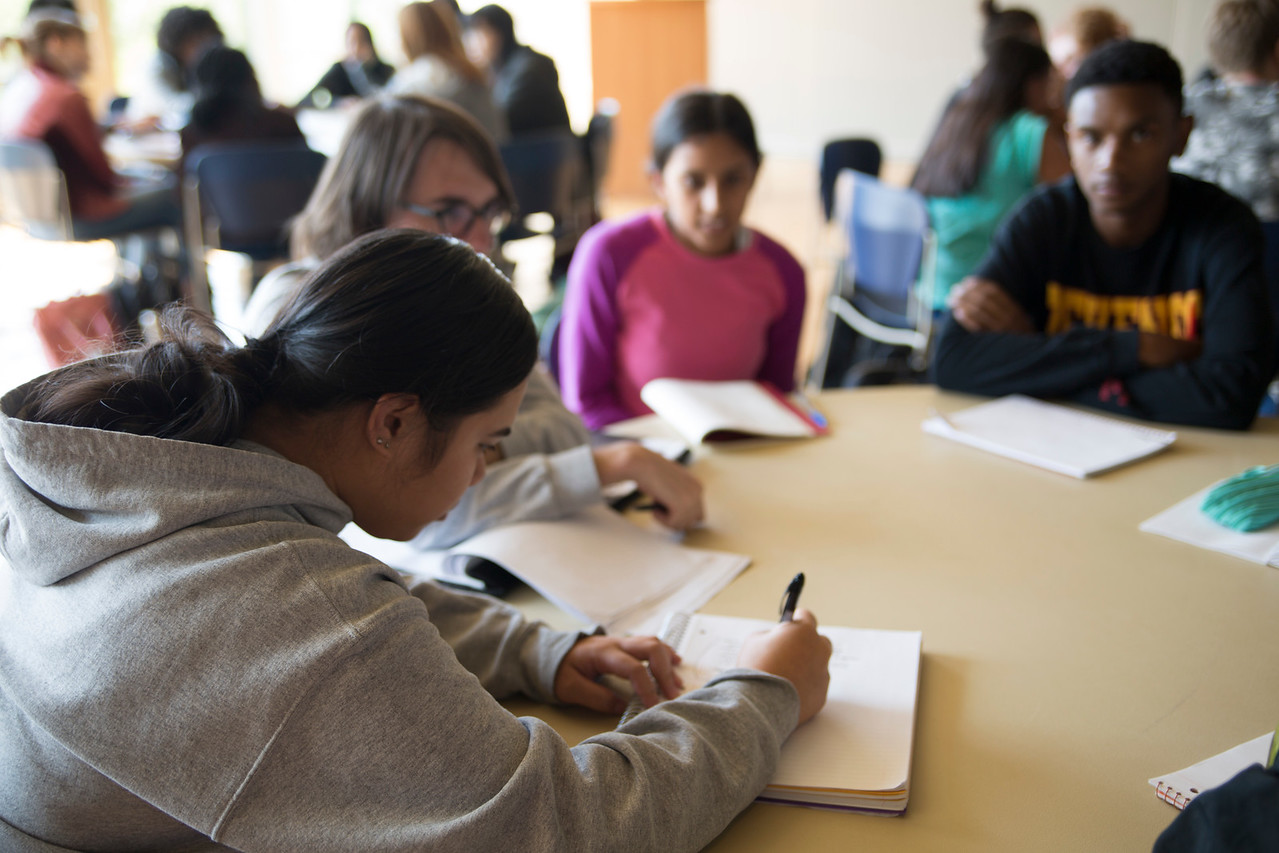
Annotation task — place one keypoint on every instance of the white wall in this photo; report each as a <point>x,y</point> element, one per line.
<point>813,70</point>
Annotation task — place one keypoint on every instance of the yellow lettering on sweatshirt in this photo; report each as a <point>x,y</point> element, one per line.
<point>1176,315</point>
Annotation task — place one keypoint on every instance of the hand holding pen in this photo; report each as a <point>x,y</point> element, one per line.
<point>793,650</point>
<point>676,495</point>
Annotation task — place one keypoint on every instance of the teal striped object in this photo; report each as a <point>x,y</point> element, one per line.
<point>1246,502</point>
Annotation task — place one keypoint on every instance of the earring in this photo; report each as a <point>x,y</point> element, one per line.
<point>382,442</point>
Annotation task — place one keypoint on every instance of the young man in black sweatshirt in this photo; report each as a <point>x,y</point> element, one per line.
<point>1126,287</point>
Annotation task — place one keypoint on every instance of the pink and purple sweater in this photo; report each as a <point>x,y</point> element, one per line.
<point>641,306</point>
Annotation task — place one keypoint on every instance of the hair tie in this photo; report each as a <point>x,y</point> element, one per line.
<point>262,357</point>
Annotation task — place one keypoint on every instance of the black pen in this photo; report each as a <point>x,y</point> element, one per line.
<point>791,598</point>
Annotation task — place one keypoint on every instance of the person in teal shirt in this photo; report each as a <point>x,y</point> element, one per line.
<point>1000,137</point>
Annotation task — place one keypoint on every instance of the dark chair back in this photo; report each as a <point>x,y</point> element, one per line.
<point>542,168</point>
<point>860,155</point>
<point>250,191</point>
<point>599,142</point>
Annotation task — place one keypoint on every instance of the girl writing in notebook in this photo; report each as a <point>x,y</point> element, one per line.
<point>413,162</point>
<point>683,290</point>
<point>194,659</point>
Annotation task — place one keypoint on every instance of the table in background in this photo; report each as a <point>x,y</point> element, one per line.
<point>1068,657</point>
<point>162,148</point>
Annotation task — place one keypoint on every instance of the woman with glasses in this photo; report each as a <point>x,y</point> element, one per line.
<point>421,163</point>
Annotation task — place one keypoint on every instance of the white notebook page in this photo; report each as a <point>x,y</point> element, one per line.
<point>862,739</point>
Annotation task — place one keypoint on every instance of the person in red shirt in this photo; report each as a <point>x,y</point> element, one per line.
<point>44,103</point>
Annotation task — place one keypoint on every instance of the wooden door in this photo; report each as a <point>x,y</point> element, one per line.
<point>641,52</point>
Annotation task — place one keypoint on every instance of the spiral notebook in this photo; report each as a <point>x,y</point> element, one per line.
<point>1181,787</point>
<point>855,755</point>
<point>1061,439</point>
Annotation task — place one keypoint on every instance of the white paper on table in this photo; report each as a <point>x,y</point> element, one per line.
<point>1186,522</point>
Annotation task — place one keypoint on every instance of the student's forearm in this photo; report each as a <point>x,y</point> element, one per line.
<point>538,487</point>
<point>1040,365</point>
<point>1222,393</point>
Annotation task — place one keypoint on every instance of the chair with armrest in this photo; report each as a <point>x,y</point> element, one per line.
<point>883,283</point>
<point>239,197</point>
<point>33,191</point>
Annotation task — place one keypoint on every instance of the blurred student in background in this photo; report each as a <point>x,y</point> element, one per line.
<point>45,103</point>
<point>361,73</point>
<point>410,162</point>
<point>163,96</point>
<point>228,104</point>
<point>1235,141</point>
<point>685,289</point>
<point>525,83</point>
<point>1087,28</point>
<point>994,144</point>
<point>439,68</point>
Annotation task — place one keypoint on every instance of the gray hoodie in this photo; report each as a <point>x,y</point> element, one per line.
<point>191,659</point>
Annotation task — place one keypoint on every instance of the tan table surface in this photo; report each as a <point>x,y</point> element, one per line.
<point>1068,657</point>
<point>159,148</point>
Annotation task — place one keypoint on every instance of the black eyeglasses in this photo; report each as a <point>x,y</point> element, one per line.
<point>457,218</point>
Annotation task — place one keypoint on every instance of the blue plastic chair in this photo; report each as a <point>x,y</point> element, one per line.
<point>883,285</point>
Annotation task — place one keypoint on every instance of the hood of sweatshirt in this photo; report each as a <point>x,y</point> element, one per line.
<point>71,497</point>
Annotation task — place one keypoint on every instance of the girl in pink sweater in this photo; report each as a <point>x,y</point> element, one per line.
<point>683,290</point>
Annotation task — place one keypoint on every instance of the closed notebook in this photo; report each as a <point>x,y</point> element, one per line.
<point>855,755</point>
<point>1061,439</point>
<point>1182,786</point>
<point>719,411</point>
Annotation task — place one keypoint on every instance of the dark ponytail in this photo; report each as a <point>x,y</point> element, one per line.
<point>394,312</point>
<point>958,152</point>
<point>191,385</point>
<point>1020,24</point>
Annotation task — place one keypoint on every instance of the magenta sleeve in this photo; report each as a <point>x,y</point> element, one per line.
<point>588,333</point>
<point>783,336</point>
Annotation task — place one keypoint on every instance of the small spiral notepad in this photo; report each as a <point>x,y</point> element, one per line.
<point>1181,787</point>
<point>1061,439</point>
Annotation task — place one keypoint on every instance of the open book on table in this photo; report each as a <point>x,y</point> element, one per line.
<point>855,754</point>
<point>1061,439</point>
<point>597,566</point>
<point>717,411</point>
